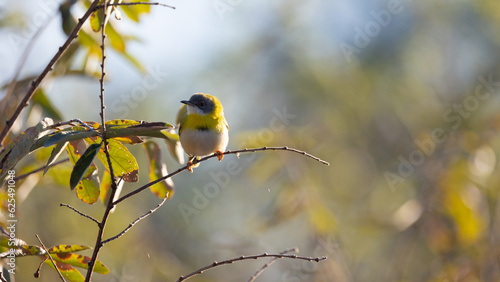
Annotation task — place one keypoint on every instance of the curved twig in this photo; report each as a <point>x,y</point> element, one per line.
<point>237,152</point>
<point>135,221</point>
<point>233,260</point>
<point>80,213</point>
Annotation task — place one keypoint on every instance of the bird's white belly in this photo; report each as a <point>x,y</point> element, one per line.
<point>203,142</point>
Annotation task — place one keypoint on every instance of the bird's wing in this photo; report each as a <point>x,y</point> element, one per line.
<point>180,116</point>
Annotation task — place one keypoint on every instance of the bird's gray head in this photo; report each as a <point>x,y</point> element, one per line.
<point>200,103</point>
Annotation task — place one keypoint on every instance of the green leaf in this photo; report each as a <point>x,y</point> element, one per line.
<point>63,248</point>
<point>133,12</point>
<point>130,130</point>
<point>121,123</point>
<point>79,261</point>
<point>130,139</point>
<point>24,250</point>
<point>60,174</point>
<point>83,164</point>
<point>75,149</point>
<point>105,186</point>
<point>158,169</point>
<point>53,156</point>
<point>151,129</point>
<point>21,145</point>
<point>124,163</point>
<point>66,136</point>
<point>170,134</point>
<point>88,189</point>
<point>96,20</point>
<point>32,250</point>
<point>67,271</point>
<point>126,128</point>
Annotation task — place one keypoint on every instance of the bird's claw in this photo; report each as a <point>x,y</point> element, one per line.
<point>190,166</point>
<point>220,155</point>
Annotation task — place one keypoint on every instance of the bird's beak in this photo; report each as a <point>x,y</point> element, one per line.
<point>189,103</point>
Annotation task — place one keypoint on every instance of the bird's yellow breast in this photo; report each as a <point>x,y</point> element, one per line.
<point>203,122</point>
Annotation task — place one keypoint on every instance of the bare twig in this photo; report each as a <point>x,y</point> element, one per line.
<point>39,169</point>
<point>48,68</point>
<point>233,260</point>
<point>237,152</point>
<point>285,148</point>
<point>258,272</point>
<point>53,262</point>
<point>133,4</point>
<point>71,122</point>
<point>135,221</point>
<point>80,213</point>
<point>110,205</point>
<point>37,272</point>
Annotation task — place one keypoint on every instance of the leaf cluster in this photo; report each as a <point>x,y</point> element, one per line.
<point>63,256</point>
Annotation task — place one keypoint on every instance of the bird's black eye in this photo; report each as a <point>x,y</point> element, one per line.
<point>201,104</point>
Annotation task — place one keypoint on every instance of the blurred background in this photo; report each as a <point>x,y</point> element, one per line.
<point>401,97</point>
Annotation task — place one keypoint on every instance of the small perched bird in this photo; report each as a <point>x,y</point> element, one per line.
<point>203,129</point>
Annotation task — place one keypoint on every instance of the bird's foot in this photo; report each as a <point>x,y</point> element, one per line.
<point>190,166</point>
<point>220,155</point>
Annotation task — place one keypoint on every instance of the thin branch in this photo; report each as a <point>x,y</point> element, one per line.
<point>133,4</point>
<point>135,221</point>
<point>285,148</point>
<point>71,122</point>
<point>48,68</point>
<point>48,254</point>
<point>258,272</point>
<point>233,260</point>
<point>39,169</point>
<point>237,152</point>
<point>37,272</point>
<point>110,205</point>
<point>80,213</point>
